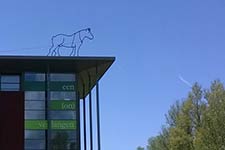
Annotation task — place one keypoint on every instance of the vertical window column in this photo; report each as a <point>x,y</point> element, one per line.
<point>62,112</point>
<point>35,121</point>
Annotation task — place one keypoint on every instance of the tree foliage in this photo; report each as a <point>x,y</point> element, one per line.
<point>140,148</point>
<point>196,123</point>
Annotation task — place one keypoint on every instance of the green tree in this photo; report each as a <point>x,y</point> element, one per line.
<point>180,136</point>
<point>198,106</point>
<point>173,113</point>
<point>188,120</point>
<point>211,135</point>
<point>196,123</point>
<point>140,148</point>
<point>159,142</point>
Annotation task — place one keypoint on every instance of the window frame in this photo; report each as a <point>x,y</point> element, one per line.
<point>10,83</point>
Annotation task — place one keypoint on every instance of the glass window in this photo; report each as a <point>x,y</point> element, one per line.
<point>62,95</point>
<point>70,134</point>
<point>34,144</point>
<point>35,105</point>
<point>10,87</point>
<point>62,77</point>
<point>34,114</point>
<point>72,145</point>
<point>61,141</point>
<point>62,114</point>
<point>34,76</point>
<point>34,95</point>
<point>10,83</point>
<point>10,79</point>
<point>32,134</point>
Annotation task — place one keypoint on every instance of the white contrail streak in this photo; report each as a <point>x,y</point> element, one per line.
<point>184,81</point>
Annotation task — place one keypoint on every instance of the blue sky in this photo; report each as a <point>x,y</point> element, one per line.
<point>157,43</point>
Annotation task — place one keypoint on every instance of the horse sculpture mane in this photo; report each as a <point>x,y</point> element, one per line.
<point>73,41</point>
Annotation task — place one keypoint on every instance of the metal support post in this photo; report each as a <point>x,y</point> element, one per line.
<point>90,114</point>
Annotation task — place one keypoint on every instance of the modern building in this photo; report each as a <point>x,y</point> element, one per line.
<point>41,99</point>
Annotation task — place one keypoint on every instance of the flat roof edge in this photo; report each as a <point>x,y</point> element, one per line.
<point>58,57</point>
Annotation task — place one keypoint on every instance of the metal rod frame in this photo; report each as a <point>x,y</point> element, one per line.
<point>98,112</point>
<point>84,119</point>
<point>90,113</point>
<point>78,117</point>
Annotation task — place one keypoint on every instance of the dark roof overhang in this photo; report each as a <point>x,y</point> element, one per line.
<point>84,67</point>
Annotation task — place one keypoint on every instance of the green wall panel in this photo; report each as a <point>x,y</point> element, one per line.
<point>36,124</point>
<point>33,86</point>
<point>62,86</point>
<point>62,105</point>
<point>54,86</point>
<point>63,124</point>
<point>55,124</point>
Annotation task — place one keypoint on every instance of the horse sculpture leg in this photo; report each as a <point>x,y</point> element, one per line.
<point>54,53</point>
<point>53,49</point>
<point>73,52</point>
<point>78,50</point>
<point>58,53</point>
<point>50,50</point>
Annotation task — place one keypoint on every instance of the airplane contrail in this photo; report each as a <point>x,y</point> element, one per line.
<point>184,81</point>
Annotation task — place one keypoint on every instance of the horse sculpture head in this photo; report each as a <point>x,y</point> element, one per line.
<point>88,34</point>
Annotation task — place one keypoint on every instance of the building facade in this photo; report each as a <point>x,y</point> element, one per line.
<point>41,99</point>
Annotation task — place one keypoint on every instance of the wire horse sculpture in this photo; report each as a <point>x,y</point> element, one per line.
<point>73,41</point>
